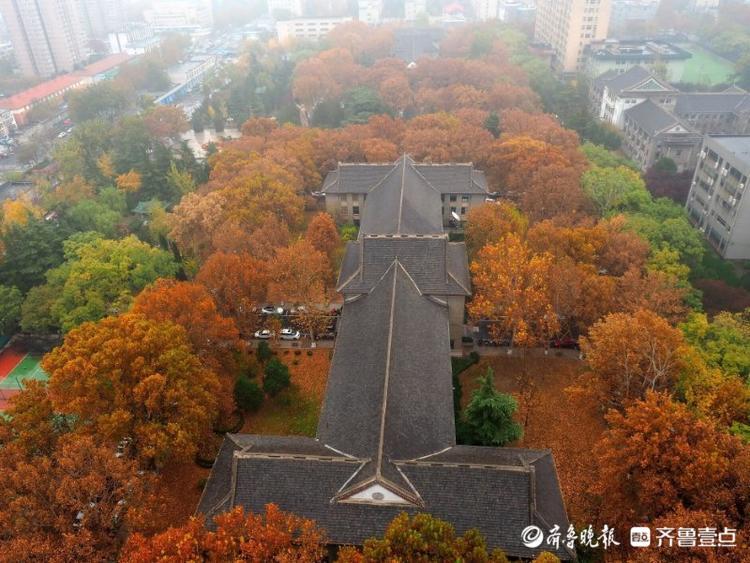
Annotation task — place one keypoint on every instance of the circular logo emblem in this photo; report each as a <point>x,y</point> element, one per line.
<point>532,536</point>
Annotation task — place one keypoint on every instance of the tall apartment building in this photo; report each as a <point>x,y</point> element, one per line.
<point>49,36</point>
<point>485,9</point>
<point>715,203</point>
<point>568,26</point>
<point>103,17</point>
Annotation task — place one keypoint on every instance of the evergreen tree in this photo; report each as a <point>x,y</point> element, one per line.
<point>488,418</point>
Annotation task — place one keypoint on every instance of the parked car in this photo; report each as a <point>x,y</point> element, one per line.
<point>566,342</point>
<point>264,334</point>
<point>290,334</point>
<point>272,310</point>
<point>504,341</point>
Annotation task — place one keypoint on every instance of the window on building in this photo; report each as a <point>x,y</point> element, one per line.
<point>454,197</point>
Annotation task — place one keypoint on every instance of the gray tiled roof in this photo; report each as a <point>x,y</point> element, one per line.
<point>650,117</point>
<point>710,102</point>
<point>403,202</point>
<point>436,266</point>
<point>628,79</point>
<point>385,365</point>
<point>446,178</point>
<point>495,491</point>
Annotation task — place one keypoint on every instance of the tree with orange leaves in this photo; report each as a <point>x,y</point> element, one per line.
<point>238,285</point>
<point>514,162</point>
<point>190,305</point>
<point>323,235</point>
<point>629,354</point>
<point>69,504</point>
<point>129,182</point>
<point>132,377</point>
<point>165,121</point>
<point>511,288</point>
<point>299,274</point>
<point>489,222</point>
<point>273,536</point>
<point>657,458</point>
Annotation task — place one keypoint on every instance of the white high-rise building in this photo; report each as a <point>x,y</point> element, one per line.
<point>370,11</point>
<point>49,36</point>
<point>485,9</point>
<point>568,26</point>
<point>414,8</point>
<point>179,15</point>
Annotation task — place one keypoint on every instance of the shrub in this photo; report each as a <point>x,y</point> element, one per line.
<point>297,352</point>
<point>247,394</point>
<point>263,352</point>
<point>277,377</point>
<point>309,352</point>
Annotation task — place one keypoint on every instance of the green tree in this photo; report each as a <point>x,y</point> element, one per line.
<point>31,250</point>
<point>263,352</point>
<point>36,311</point>
<point>615,189</point>
<point>248,394</point>
<point>101,276</point>
<point>10,309</point>
<point>105,100</point>
<point>663,224</point>
<point>92,215</point>
<point>488,418</point>
<point>605,158</point>
<point>276,377</point>
<point>724,342</point>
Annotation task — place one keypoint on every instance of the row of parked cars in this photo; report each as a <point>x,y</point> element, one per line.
<point>288,316</point>
<point>563,342</point>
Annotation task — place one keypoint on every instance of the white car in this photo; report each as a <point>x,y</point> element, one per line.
<point>290,334</point>
<point>272,310</point>
<point>264,334</point>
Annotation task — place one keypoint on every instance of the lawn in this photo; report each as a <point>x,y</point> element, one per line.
<point>552,418</point>
<point>705,67</point>
<point>296,410</point>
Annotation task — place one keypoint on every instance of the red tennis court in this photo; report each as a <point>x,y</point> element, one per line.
<point>9,359</point>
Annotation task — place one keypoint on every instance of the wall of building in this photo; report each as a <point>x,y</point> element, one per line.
<point>717,202</point>
<point>568,26</point>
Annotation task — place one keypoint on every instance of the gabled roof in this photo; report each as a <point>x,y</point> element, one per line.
<point>403,203</point>
<point>438,267</point>
<point>456,178</point>
<point>498,491</point>
<point>651,118</point>
<point>710,102</point>
<point>637,79</point>
<point>389,394</point>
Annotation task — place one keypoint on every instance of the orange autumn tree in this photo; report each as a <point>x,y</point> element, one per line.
<point>133,377</point>
<point>657,458</point>
<point>238,285</point>
<point>299,274</point>
<point>511,289</point>
<point>423,537</point>
<point>273,536</point>
<point>190,305</point>
<point>70,504</point>
<point>629,354</point>
<point>323,235</point>
<point>489,222</point>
